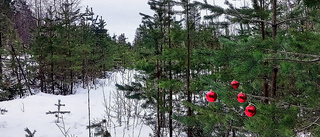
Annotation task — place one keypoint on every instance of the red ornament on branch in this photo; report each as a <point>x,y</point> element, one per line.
<point>235,84</point>
<point>250,111</point>
<point>211,96</point>
<point>242,97</point>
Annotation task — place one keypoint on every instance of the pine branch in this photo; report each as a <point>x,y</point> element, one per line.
<point>255,96</point>
<point>292,19</point>
<point>301,61</point>
<point>255,20</point>
<point>308,126</point>
<point>301,107</point>
<point>293,53</point>
<point>240,128</point>
<point>260,97</point>
<point>238,14</point>
<point>284,103</point>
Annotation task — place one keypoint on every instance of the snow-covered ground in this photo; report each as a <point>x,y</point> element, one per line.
<point>106,103</point>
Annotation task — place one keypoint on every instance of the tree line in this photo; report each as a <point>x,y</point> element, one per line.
<point>53,46</point>
<point>270,46</point>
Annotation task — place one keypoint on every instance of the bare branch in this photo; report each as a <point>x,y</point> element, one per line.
<point>261,97</point>
<point>255,96</point>
<point>292,19</point>
<point>283,103</point>
<point>240,128</point>
<point>256,20</point>
<point>301,61</point>
<point>293,53</point>
<point>306,127</point>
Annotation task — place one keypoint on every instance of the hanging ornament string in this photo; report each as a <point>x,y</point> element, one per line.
<point>250,110</point>
<point>241,97</point>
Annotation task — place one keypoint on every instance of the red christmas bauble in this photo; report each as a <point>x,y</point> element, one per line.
<point>250,111</point>
<point>235,84</point>
<point>211,96</point>
<point>242,97</point>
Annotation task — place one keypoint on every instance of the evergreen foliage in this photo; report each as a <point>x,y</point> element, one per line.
<point>274,59</point>
<point>55,47</point>
<point>72,47</point>
<point>270,47</point>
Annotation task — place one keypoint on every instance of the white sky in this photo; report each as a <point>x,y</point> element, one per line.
<point>122,16</point>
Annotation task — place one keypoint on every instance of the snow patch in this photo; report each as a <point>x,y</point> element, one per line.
<point>30,112</point>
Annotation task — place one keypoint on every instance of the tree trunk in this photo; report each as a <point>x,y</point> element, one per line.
<point>265,91</point>
<point>188,69</point>
<point>51,74</point>
<point>19,83</point>
<point>274,34</point>
<point>41,74</point>
<point>1,58</point>
<point>261,17</point>
<point>274,19</point>
<point>89,110</point>
<point>274,82</point>
<point>20,67</point>
<point>170,75</point>
<point>158,104</point>
<point>241,29</point>
<point>163,114</point>
<point>83,73</point>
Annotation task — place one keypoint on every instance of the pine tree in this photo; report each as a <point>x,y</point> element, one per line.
<point>12,46</point>
<point>77,38</point>
<point>251,60</point>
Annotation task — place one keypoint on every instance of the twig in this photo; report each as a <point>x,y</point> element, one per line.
<point>30,134</point>
<point>63,128</point>
<point>255,20</point>
<point>22,109</point>
<point>292,19</point>
<point>304,128</point>
<point>2,111</point>
<point>285,103</point>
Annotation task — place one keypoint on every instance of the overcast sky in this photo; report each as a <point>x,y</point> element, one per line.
<point>122,16</point>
